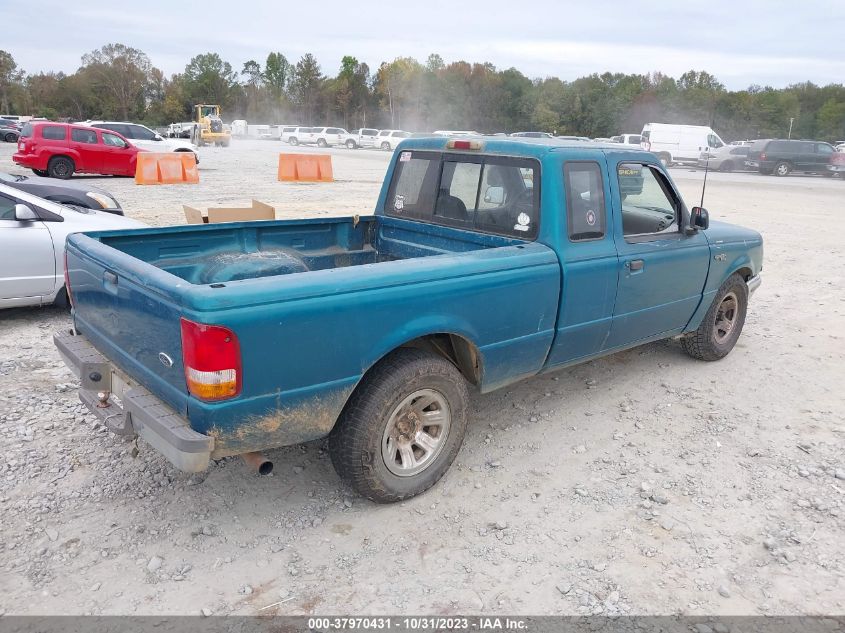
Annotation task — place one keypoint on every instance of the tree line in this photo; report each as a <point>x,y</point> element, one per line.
<point>120,82</point>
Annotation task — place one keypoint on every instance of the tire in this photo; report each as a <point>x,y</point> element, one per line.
<point>321,142</point>
<point>293,140</point>
<point>726,166</point>
<point>665,160</point>
<point>782,169</point>
<point>61,301</point>
<point>40,172</point>
<point>385,145</point>
<point>60,167</point>
<point>10,138</point>
<point>712,340</point>
<point>350,144</point>
<point>367,445</point>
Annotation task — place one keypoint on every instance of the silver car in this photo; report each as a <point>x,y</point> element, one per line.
<point>725,158</point>
<point>32,245</point>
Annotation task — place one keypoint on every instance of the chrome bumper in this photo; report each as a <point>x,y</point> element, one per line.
<point>753,284</point>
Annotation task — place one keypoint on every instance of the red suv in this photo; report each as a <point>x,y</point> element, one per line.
<point>60,149</point>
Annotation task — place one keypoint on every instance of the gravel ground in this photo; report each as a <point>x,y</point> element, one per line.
<point>643,483</point>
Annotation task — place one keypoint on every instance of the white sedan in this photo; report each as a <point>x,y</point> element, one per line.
<point>32,245</point>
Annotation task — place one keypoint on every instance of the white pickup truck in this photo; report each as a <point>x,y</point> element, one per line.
<point>362,137</point>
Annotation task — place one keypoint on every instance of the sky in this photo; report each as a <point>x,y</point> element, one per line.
<point>741,42</point>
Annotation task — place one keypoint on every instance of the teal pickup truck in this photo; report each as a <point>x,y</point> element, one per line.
<point>487,261</point>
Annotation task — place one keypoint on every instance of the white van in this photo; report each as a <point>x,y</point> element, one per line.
<point>679,143</point>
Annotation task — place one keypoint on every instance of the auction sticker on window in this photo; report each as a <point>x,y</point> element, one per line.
<point>627,171</point>
<point>522,222</point>
<point>404,157</point>
<point>398,202</point>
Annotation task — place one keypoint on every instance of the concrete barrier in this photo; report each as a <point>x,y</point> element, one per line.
<point>168,168</point>
<point>305,168</point>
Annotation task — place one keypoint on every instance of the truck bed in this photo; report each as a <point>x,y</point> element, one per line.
<point>217,254</point>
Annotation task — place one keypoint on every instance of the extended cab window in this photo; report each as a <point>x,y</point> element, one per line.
<point>585,208</point>
<point>7,208</point>
<point>649,205</point>
<point>54,132</point>
<point>483,193</point>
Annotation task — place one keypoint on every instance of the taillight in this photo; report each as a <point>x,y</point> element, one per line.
<point>460,144</point>
<point>762,155</point>
<point>67,282</point>
<point>212,358</point>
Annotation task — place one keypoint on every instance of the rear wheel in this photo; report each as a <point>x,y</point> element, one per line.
<point>293,140</point>
<point>321,142</point>
<point>782,169</point>
<point>403,426</point>
<point>726,166</point>
<point>385,145</point>
<point>61,301</point>
<point>350,144</point>
<point>10,137</point>
<point>60,167</point>
<point>722,325</point>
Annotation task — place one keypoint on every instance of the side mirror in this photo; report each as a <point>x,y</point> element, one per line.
<point>699,218</point>
<point>24,213</point>
<point>157,137</point>
<point>494,195</point>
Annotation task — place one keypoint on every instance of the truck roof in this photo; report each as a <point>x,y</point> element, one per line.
<point>525,146</point>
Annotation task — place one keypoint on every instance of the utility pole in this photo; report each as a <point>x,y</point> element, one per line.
<point>791,119</point>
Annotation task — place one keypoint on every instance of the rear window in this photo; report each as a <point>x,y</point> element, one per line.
<point>483,193</point>
<point>26,131</point>
<point>54,132</point>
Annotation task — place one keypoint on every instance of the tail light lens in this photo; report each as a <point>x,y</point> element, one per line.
<point>762,155</point>
<point>212,358</point>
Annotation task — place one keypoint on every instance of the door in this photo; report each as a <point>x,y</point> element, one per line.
<point>823,154</point>
<point>27,259</point>
<point>661,270</point>
<point>118,155</point>
<point>92,154</point>
<point>806,156</point>
<point>589,263</point>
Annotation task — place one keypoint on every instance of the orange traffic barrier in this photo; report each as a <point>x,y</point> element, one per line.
<point>166,168</point>
<point>305,168</point>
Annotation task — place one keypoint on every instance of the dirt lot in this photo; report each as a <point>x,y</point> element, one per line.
<point>646,482</point>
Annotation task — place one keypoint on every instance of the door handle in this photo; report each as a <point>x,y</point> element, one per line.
<point>110,282</point>
<point>635,264</point>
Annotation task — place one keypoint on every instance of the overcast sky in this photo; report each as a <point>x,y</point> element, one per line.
<point>742,42</point>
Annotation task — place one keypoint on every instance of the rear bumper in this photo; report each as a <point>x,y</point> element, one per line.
<point>836,169</point>
<point>753,284</point>
<point>126,408</point>
<point>25,160</point>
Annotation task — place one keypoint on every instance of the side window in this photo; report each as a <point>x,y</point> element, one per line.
<point>824,148</point>
<point>54,132</point>
<point>585,208</point>
<point>140,132</point>
<point>7,208</point>
<point>740,151</point>
<point>649,206</point>
<point>713,141</point>
<point>83,136</point>
<point>413,190</point>
<point>112,140</point>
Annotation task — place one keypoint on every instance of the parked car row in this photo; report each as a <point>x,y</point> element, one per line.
<point>9,130</point>
<point>337,136</point>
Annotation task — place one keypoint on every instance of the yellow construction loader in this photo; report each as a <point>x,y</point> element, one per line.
<point>208,127</point>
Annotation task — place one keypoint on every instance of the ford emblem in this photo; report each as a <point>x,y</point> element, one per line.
<point>165,359</point>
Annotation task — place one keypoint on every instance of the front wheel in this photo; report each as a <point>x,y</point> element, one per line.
<point>402,428</point>
<point>293,140</point>
<point>726,166</point>
<point>722,325</point>
<point>385,145</point>
<point>666,160</point>
<point>350,144</point>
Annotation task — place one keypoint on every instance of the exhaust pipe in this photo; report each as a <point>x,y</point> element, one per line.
<point>257,462</point>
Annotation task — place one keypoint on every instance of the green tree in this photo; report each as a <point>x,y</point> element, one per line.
<point>123,74</point>
<point>10,80</point>
<point>306,86</point>
<point>209,79</point>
